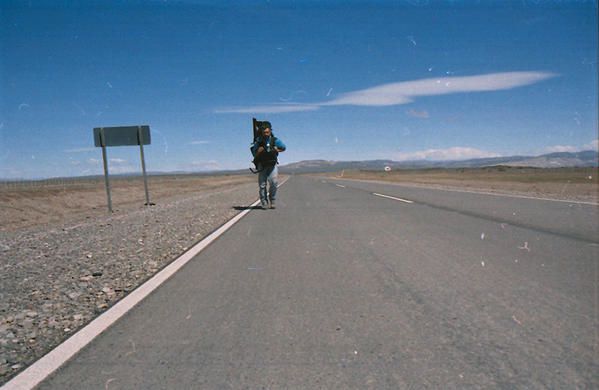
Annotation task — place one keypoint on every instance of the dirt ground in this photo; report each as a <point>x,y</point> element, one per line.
<point>28,204</point>
<point>579,184</point>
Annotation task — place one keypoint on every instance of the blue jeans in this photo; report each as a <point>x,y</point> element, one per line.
<point>268,174</point>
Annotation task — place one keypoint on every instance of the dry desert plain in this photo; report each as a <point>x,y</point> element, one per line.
<point>34,203</point>
<point>26,204</point>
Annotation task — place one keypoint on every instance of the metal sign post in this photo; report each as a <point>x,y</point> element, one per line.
<point>122,136</point>
<point>143,163</point>
<point>106,181</point>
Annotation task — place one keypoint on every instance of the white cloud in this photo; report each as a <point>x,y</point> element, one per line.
<point>593,145</point>
<point>116,166</point>
<point>453,153</point>
<point>383,95</point>
<point>418,114</point>
<point>561,148</point>
<point>268,109</point>
<point>118,161</point>
<point>126,168</point>
<point>405,92</point>
<point>205,165</point>
<point>79,150</point>
<point>200,142</point>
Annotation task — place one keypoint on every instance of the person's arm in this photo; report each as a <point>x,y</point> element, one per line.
<point>280,146</point>
<point>256,148</point>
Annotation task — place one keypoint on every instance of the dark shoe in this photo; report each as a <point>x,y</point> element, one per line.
<point>272,205</point>
<point>264,206</point>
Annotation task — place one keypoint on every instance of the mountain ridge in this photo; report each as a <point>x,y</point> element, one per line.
<point>587,158</point>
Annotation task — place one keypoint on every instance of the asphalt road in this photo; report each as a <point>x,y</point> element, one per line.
<point>340,288</point>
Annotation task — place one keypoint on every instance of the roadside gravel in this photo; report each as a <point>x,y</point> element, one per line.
<point>55,279</point>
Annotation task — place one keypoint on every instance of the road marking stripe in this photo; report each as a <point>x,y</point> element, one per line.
<point>339,185</point>
<point>392,197</point>
<point>424,187</point>
<point>518,196</point>
<point>42,368</point>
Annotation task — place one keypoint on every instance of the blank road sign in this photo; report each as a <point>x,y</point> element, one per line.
<point>122,136</point>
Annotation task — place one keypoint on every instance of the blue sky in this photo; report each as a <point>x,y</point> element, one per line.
<point>397,80</point>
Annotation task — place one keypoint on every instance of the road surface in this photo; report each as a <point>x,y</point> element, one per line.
<point>340,288</point>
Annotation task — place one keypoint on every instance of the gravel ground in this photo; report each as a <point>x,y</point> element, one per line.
<point>55,279</point>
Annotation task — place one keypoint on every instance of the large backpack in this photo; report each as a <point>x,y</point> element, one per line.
<point>265,158</point>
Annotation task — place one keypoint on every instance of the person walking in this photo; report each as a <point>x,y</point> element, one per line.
<point>266,149</point>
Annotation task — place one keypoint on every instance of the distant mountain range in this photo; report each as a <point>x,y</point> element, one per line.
<point>587,158</point>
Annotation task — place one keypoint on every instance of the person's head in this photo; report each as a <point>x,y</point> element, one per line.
<point>266,129</point>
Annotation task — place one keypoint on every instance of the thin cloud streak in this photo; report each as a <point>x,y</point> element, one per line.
<point>418,114</point>
<point>268,109</point>
<point>79,150</point>
<point>453,153</point>
<point>405,92</point>
<point>204,165</point>
<point>593,145</point>
<point>562,148</point>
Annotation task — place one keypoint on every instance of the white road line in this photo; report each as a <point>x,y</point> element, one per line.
<point>339,185</point>
<point>519,196</point>
<point>41,369</point>
<point>392,197</point>
<point>503,195</point>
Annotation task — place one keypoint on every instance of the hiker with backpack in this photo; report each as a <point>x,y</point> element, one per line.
<point>265,149</point>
